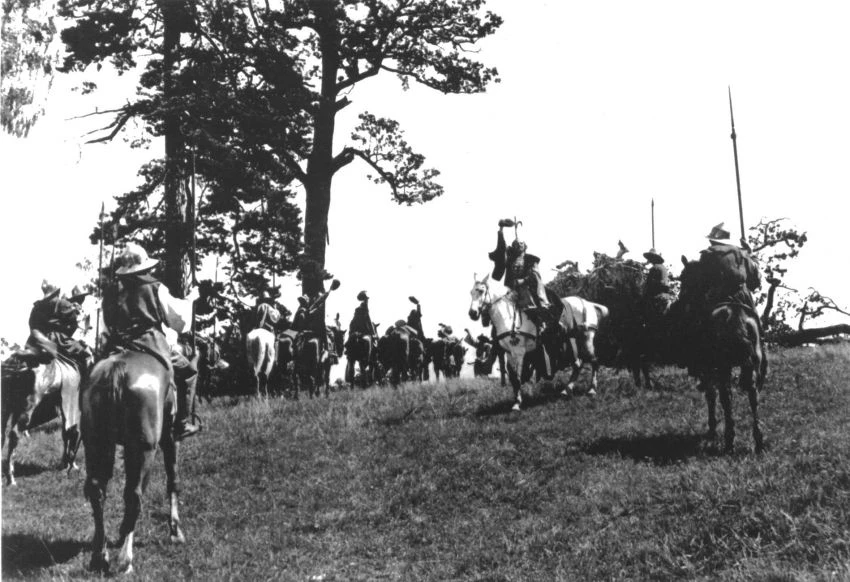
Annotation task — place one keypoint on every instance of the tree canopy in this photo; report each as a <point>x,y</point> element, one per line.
<point>256,90</point>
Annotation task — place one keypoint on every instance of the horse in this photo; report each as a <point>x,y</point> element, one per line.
<point>284,370</point>
<point>210,362</point>
<point>358,350</point>
<point>396,353</point>
<point>128,400</point>
<point>730,337</point>
<point>447,357</point>
<point>311,363</point>
<point>516,333</point>
<point>260,345</point>
<point>580,319</point>
<point>33,396</point>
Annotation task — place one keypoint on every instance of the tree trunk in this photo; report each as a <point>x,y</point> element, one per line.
<point>177,224</point>
<point>768,305</point>
<point>320,163</point>
<point>803,336</point>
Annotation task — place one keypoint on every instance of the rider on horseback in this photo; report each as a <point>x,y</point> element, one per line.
<point>309,321</point>
<point>266,316</point>
<point>54,318</point>
<point>361,322</point>
<point>728,275</point>
<point>141,315</point>
<point>414,320</point>
<point>521,273</point>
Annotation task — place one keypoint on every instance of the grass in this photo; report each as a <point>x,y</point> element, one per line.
<point>442,482</point>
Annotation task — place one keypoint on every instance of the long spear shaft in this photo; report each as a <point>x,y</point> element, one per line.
<point>737,172</point>
<point>653,223</point>
<point>99,281</point>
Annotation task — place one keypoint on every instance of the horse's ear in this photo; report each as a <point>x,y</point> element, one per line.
<point>475,277</point>
<point>684,260</point>
<point>486,278</point>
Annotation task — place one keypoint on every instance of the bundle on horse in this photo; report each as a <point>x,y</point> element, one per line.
<point>720,334</point>
<point>623,340</point>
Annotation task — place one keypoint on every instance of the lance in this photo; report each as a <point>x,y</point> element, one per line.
<point>215,312</point>
<point>737,173</point>
<point>193,209</point>
<point>99,281</point>
<point>653,223</point>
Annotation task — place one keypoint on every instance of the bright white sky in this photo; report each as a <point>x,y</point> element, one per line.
<point>602,106</point>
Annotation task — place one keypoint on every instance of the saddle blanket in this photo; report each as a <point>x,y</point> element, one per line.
<point>578,315</point>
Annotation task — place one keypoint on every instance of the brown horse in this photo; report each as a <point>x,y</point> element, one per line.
<point>128,400</point>
<point>728,337</point>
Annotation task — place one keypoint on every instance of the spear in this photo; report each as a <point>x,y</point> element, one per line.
<point>737,173</point>
<point>99,281</point>
<point>653,223</point>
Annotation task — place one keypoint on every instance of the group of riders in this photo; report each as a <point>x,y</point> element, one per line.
<point>726,273</point>
<point>141,314</point>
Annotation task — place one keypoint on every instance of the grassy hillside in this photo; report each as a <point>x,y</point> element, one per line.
<point>442,482</point>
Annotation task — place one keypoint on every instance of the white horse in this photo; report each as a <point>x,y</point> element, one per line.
<point>580,320</point>
<point>515,332</point>
<point>261,346</point>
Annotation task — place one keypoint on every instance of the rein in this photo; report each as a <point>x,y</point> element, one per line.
<point>488,302</point>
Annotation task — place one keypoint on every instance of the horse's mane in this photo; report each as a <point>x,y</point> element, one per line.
<point>497,289</point>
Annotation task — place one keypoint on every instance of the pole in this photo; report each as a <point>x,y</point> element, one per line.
<point>99,281</point>
<point>737,172</point>
<point>194,210</point>
<point>653,223</point>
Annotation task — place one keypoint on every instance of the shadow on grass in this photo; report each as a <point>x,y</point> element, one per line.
<point>25,554</point>
<point>663,449</point>
<point>24,469</point>
<point>506,406</point>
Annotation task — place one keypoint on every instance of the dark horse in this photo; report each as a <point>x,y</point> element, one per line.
<point>395,353</point>
<point>128,400</point>
<point>358,350</point>
<point>719,338</point>
<point>447,357</point>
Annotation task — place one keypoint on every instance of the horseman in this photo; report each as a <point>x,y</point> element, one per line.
<point>414,319</point>
<point>141,315</point>
<point>54,318</point>
<point>265,315</point>
<point>656,301</point>
<point>485,353</point>
<point>361,323</point>
<point>729,272</point>
<point>308,319</point>
<point>521,273</point>
<point>445,334</point>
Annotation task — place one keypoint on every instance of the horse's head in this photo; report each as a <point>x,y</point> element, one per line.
<point>691,279</point>
<point>480,295</point>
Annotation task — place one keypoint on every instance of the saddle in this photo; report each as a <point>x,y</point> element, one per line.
<point>39,349</point>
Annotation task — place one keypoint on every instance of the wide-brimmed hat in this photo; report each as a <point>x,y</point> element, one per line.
<point>78,295</point>
<point>413,299</point>
<point>49,289</point>
<point>653,257</point>
<point>718,233</point>
<point>362,296</point>
<point>447,329</point>
<point>134,259</point>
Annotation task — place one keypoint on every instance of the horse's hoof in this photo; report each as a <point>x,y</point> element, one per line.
<point>515,407</point>
<point>99,563</point>
<point>591,393</point>
<point>178,537</point>
<point>566,393</point>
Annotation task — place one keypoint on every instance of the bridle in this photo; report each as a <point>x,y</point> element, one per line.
<point>486,302</point>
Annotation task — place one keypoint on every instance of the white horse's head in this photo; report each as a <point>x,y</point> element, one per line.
<point>480,293</point>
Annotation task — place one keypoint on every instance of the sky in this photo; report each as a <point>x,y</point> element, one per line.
<point>602,107</point>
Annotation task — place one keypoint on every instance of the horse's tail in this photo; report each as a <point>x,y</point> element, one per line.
<point>103,399</point>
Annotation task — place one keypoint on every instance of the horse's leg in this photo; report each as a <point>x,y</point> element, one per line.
<point>645,368</point>
<point>725,383</point>
<point>747,373</point>
<point>100,459</point>
<point>590,356</point>
<point>709,388</point>
<point>138,459</point>
<point>514,376</point>
<point>9,458</point>
<point>502,367</point>
<point>170,451</point>
<point>70,442</point>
